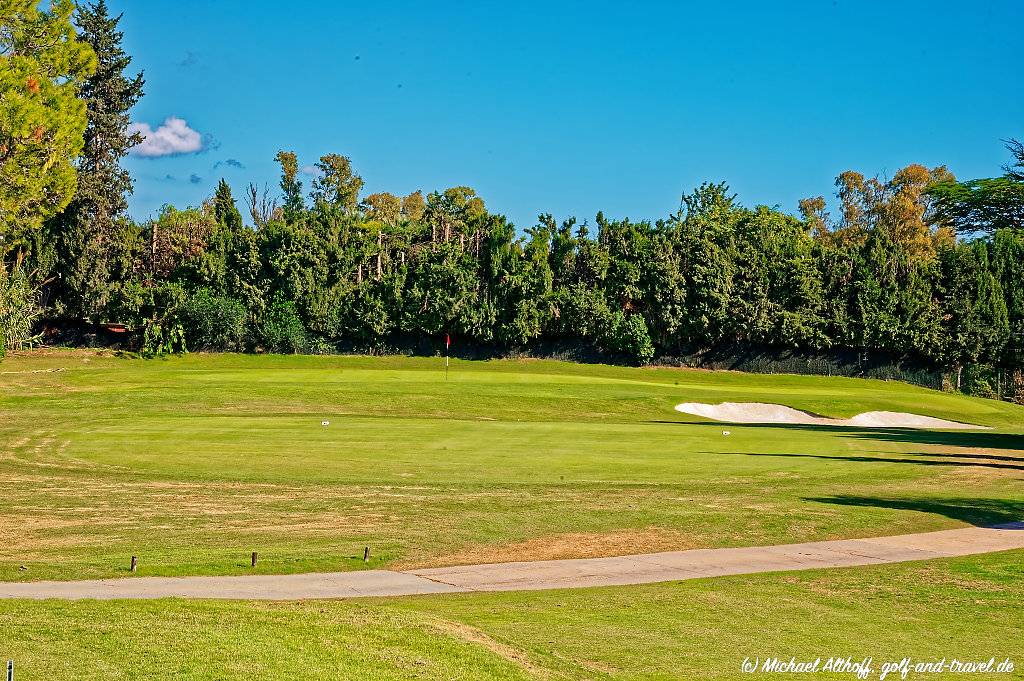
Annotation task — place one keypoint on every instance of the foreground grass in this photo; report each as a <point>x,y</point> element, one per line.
<point>191,463</point>
<point>968,608</point>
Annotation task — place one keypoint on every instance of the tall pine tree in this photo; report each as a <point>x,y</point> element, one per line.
<point>92,236</point>
<point>42,68</point>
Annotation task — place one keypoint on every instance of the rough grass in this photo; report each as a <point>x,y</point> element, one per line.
<point>968,608</point>
<point>191,463</point>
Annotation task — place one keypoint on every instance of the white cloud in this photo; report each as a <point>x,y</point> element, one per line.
<point>310,170</point>
<point>172,138</point>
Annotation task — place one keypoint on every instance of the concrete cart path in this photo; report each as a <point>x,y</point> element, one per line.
<point>544,574</point>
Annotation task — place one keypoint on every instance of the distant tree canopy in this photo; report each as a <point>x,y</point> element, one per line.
<point>378,272</point>
<point>986,205</point>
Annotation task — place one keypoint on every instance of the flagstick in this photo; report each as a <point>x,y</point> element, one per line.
<point>446,364</point>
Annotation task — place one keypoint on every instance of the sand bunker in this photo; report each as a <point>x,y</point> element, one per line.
<point>759,412</point>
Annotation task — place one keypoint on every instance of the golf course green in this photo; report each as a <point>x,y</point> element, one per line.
<point>191,463</point>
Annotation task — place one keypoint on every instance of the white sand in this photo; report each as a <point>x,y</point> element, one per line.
<point>760,412</point>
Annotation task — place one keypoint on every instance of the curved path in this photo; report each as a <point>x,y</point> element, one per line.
<point>545,574</point>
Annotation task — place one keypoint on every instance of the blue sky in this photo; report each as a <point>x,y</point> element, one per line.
<point>571,108</point>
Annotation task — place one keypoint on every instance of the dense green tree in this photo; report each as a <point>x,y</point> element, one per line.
<point>452,213</point>
<point>516,284</point>
<point>212,322</point>
<point>838,265</point>
<point>706,227</point>
<point>777,296</point>
<point>893,306</point>
<point>1008,264</point>
<point>280,329</point>
<point>93,234</point>
<point>43,67</point>
<point>985,205</point>
<point>441,295</point>
<point>627,335</point>
<point>337,184</point>
<point>225,210</point>
<point>976,326</point>
<point>291,187</point>
<point>383,207</point>
<point>297,265</point>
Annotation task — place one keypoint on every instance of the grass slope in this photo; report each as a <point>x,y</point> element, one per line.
<point>193,462</point>
<point>967,608</point>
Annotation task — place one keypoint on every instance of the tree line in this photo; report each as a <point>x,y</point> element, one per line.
<point>917,267</point>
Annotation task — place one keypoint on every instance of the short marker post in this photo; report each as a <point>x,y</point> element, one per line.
<point>135,563</point>
<point>366,554</point>
<point>254,557</point>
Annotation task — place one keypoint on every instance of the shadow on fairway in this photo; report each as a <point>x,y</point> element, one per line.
<point>956,438</point>
<point>916,462</point>
<point>979,457</point>
<point>980,512</point>
<point>948,438</point>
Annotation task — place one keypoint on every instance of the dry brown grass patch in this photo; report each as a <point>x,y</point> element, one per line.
<point>562,546</point>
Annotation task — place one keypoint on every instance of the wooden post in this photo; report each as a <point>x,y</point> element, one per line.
<point>10,670</point>
<point>135,563</point>
<point>254,559</point>
<point>366,554</point>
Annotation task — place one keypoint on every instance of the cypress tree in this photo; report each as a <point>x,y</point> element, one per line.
<point>224,208</point>
<point>91,235</point>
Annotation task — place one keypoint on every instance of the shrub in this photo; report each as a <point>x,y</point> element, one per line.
<point>629,336</point>
<point>979,380</point>
<point>212,322</point>
<point>158,340</point>
<point>282,330</point>
<point>19,309</point>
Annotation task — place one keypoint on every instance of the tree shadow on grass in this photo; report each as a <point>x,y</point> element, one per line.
<point>958,438</point>
<point>979,457</point>
<point>977,439</point>
<point>916,462</point>
<point>980,512</point>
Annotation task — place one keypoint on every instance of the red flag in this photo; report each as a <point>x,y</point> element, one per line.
<point>447,341</point>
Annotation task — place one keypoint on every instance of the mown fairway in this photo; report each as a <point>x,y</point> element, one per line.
<point>191,463</point>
